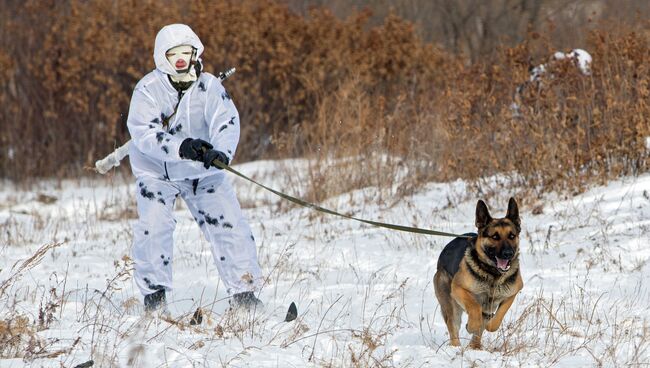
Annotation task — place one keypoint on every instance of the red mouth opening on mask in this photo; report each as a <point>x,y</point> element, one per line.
<point>180,64</point>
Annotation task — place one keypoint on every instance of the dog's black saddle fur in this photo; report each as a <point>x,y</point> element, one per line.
<point>453,253</point>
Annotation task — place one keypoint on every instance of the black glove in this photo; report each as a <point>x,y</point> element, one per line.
<point>211,155</point>
<point>193,149</point>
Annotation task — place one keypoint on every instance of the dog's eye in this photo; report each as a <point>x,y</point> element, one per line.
<point>496,237</point>
<point>511,236</point>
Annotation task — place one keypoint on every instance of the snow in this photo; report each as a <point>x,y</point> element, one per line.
<point>364,294</point>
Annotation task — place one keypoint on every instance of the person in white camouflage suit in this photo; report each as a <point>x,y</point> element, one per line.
<point>181,119</point>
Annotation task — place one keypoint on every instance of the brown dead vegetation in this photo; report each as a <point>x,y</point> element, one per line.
<point>399,111</point>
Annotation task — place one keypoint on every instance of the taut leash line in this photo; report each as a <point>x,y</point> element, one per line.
<point>316,207</point>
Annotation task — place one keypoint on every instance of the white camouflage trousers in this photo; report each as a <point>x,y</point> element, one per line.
<point>216,210</point>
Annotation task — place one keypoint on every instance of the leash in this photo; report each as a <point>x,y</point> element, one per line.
<point>316,207</point>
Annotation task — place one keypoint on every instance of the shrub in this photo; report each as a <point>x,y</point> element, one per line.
<point>402,111</point>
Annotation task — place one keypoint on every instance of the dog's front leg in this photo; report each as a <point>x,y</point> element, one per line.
<point>474,311</point>
<point>496,320</point>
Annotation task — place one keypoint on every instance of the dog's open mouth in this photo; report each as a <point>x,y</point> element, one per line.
<point>502,264</point>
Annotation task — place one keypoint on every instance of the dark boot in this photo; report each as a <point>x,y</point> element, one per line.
<point>245,300</point>
<point>155,301</point>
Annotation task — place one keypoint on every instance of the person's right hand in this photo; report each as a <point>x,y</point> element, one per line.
<point>192,149</point>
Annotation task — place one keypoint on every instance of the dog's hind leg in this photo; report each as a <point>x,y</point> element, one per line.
<point>451,311</point>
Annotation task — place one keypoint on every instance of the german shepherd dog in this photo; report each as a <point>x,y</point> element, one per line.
<point>480,275</point>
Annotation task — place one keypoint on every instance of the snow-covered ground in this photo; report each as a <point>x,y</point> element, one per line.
<point>364,294</point>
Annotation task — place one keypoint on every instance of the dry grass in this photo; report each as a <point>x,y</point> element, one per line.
<point>18,270</point>
<point>18,334</point>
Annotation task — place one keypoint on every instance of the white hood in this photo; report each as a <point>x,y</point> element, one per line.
<point>171,36</point>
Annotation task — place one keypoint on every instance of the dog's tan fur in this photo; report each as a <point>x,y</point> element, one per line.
<point>478,287</point>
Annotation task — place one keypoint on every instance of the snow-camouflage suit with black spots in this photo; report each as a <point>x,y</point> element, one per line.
<point>205,111</point>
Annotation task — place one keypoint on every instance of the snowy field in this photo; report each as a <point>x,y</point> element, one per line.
<point>364,294</point>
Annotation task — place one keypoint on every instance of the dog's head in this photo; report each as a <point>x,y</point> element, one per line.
<point>498,239</point>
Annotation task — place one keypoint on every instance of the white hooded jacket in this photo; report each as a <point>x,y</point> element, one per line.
<point>205,111</point>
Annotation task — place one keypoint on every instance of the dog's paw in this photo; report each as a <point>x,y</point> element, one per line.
<point>475,343</point>
<point>493,325</point>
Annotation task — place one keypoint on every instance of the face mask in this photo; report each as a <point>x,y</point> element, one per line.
<point>180,57</point>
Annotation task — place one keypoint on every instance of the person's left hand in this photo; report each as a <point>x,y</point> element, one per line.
<point>211,155</point>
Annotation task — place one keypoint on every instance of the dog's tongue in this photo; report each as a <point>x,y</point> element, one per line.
<point>502,263</point>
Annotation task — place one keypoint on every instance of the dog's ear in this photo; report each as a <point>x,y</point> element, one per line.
<point>482,215</point>
<point>513,212</point>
